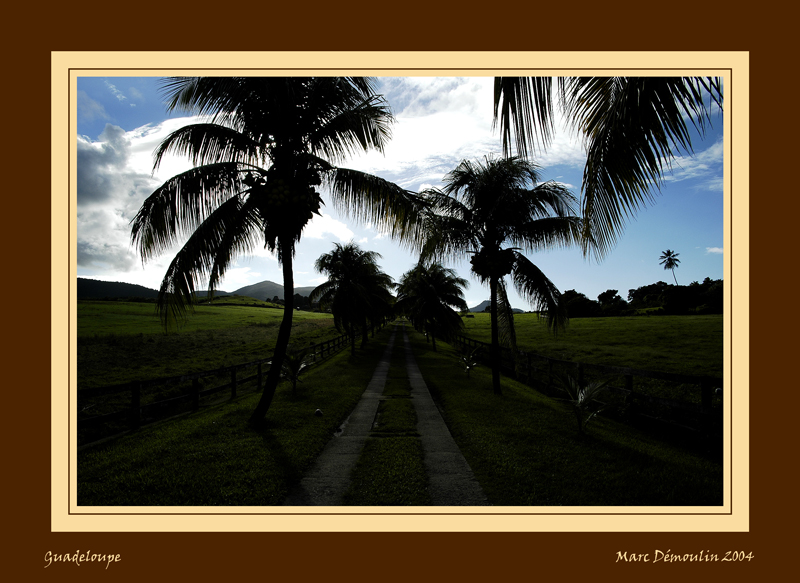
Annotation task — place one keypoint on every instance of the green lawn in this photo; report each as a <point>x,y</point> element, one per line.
<point>213,457</point>
<point>691,345</point>
<point>525,448</point>
<point>123,341</point>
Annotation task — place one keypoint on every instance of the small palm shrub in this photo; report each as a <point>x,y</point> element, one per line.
<point>582,397</point>
<point>470,360</point>
<point>294,364</point>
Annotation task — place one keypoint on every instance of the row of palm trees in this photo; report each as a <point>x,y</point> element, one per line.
<point>357,293</point>
<point>360,295</point>
<point>268,145</point>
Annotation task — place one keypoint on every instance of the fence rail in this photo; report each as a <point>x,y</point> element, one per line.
<point>699,407</point>
<point>132,413</point>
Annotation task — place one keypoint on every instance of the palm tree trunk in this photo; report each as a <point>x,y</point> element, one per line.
<point>282,342</point>
<point>495,336</point>
<point>675,278</point>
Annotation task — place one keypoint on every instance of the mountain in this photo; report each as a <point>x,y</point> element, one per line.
<point>266,290</point>
<point>89,289</point>
<point>486,303</point>
<point>95,289</point>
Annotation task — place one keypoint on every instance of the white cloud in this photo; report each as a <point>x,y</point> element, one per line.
<point>714,250</point>
<point>705,165</point>
<point>115,92</point>
<point>442,121</point>
<point>320,226</point>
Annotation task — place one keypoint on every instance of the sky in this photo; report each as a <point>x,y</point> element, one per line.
<point>439,121</point>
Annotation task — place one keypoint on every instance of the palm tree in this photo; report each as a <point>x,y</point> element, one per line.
<point>262,151</point>
<point>631,126</point>
<point>485,206</point>
<point>357,291</point>
<point>669,259</point>
<point>427,295</point>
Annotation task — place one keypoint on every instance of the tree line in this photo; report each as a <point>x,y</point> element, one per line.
<point>658,298</point>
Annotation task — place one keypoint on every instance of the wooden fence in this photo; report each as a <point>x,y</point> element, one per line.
<point>698,406</point>
<point>131,412</point>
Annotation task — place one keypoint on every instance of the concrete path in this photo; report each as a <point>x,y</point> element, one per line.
<point>326,482</point>
<point>451,482</point>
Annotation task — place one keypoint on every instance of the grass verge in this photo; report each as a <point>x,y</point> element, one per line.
<point>213,457</point>
<point>525,450</point>
<point>691,345</point>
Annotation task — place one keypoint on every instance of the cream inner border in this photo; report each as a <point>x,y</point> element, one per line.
<point>67,516</point>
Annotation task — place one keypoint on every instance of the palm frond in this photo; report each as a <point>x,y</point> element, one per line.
<point>322,293</point>
<point>240,236</point>
<point>368,198</point>
<point>535,288</point>
<point>359,128</point>
<point>178,206</point>
<point>505,317</point>
<point>208,143</point>
<point>547,233</point>
<point>446,237</point>
<point>203,95</point>
<point>632,126</point>
<point>217,237</point>
<point>524,105</point>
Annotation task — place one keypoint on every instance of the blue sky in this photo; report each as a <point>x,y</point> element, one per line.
<point>439,122</point>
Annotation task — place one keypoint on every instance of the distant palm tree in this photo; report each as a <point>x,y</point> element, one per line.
<point>483,207</point>
<point>669,259</point>
<point>267,145</point>
<point>427,295</point>
<point>631,126</point>
<point>357,291</point>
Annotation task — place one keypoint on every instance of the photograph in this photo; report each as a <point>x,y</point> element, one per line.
<point>400,291</point>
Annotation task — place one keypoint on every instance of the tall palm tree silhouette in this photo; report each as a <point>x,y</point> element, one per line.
<point>266,147</point>
<point>498,202</point>
<point>357,292</point>
<point>669,259</point>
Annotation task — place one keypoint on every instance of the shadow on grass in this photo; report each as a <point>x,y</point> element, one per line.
<point>525,449</point>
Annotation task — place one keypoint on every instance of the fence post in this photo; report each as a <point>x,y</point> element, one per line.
<point>233,383</point>
<point>136,405</point>
<point>195,394</point>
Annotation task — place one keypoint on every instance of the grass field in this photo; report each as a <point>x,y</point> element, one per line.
<point>523,447</point>
<point>213,457</point>
<point>691,345</point>
<point>124,341</point>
